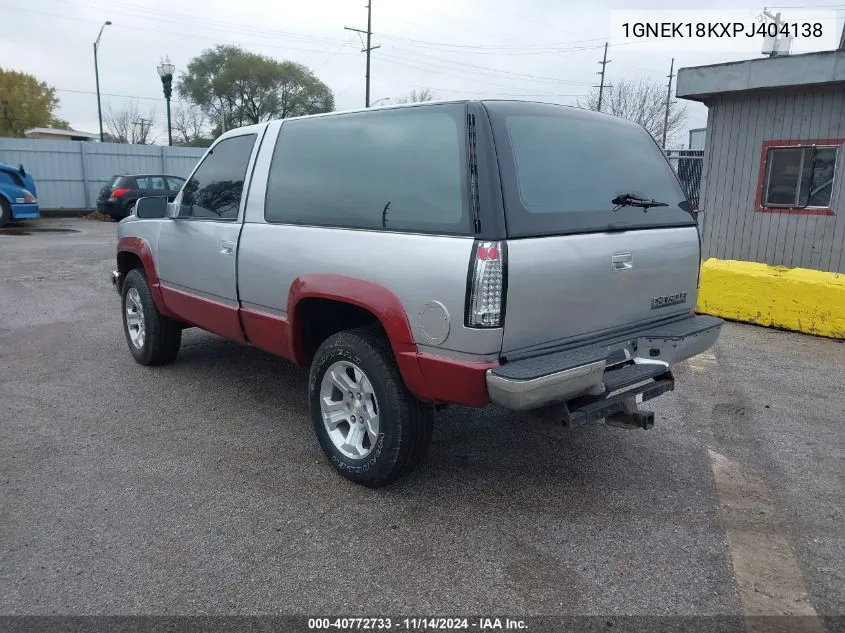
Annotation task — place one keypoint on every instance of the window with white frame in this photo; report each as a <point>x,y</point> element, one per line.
<point>799,176</point>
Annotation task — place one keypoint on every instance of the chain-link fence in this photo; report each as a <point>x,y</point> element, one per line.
<point>688,163</point>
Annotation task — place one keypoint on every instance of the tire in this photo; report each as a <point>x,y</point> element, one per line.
<point>404,424</point>
<point>5,213</point>
<point>160,337</point>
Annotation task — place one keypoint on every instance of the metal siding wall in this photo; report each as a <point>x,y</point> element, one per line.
<point>749,223</point>
<point>728,155</point>
<point>737,127</point>
<point>60,168</point>
<point>705,170</point>
<point>810,234</point>
<point>836,257</point>
<point>180,161</point>
<point>713,181</point>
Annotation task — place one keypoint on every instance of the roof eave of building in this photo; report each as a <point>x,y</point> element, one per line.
<point>807,70</point>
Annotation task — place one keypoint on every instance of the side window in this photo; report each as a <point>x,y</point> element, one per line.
<point>156,182</point>
<point>143,182</point>
<point>798,177</point>
<point>214,191</point>
<point>174,184</point>
<point>6,178</point>
<point>402,169</point>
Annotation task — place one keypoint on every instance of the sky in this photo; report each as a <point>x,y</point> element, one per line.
<point>546,50</point>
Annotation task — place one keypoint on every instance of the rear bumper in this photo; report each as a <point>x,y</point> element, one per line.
<point>113,208</point>
<point>600,370</point>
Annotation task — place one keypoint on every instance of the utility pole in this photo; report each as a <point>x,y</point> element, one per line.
<point>368,47</point>
<point>668,101</point>
<point>145,127</point>
<point>780,45</point>
<point>604,62</point>
<point>97,77</point>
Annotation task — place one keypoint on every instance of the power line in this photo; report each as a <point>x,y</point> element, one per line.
<point>494,47</point>
<point>184,18</point>
<point>110,94</point>
<point>181,34</point>
<point>474,69</point>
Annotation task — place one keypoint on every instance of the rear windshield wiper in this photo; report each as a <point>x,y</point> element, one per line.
<point>630,200</point>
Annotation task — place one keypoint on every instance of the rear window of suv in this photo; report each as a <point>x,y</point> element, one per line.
<point>562,167</point>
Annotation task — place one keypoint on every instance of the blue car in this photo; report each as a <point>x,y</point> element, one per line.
<point>17,194</point>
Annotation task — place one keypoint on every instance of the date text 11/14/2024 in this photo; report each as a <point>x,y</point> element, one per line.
<point>415,624</point>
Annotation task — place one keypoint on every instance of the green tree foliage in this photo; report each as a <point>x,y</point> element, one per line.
<point>230,83</point>
<point>25,103</point>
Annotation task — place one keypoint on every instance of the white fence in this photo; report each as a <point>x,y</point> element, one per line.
<point>70,174</point>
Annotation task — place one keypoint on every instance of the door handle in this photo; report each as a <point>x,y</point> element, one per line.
<point>622,261</point>
<point>227,247</point>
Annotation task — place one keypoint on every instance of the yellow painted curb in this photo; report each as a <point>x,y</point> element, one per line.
<point>797,299</point>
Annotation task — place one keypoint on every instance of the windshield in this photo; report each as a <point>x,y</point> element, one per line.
<point>565,170</point>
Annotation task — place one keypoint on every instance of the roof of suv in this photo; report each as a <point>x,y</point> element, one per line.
<point>258,127</point>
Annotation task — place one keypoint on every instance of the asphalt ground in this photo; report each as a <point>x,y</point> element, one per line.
<point>198,488</point>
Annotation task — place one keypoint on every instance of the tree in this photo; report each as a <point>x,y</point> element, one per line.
<point>26,103</point>
<point>301,92</point>
<point>189,126</point>
<point>417,95</point>
<point>127,125</point>
<point>233,85</point>
<point>643,102</point>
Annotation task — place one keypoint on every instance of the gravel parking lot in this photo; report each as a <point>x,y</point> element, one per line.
<point>199,488</point>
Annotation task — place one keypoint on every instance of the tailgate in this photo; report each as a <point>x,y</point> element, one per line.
<point>568,286</point>
<point>600,234</point>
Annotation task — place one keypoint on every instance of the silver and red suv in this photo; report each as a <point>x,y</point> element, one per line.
<point>539,257</point>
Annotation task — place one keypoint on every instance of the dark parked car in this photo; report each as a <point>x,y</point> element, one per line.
<point>119,196</point>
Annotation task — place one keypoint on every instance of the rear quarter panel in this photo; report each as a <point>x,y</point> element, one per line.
<point>418,269</point>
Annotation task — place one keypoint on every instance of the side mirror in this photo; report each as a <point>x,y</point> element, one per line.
<point>151,208</point>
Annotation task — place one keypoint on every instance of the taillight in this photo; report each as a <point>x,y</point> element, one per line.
<point>486,291</point>
<point>119,192</point>
<point>28,198</point>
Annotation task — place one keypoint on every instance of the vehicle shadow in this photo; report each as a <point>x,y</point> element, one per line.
<point>483,456</point>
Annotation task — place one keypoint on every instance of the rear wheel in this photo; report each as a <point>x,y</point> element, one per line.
<point>153,339</point>
<point>371,428</point>
<point>5,213</point>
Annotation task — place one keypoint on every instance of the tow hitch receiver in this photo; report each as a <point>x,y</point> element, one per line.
<point>619,409</point>
<point>630,418</point>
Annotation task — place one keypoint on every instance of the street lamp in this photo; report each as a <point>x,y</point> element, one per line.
<point>97,77</point>
<point>165,71</point>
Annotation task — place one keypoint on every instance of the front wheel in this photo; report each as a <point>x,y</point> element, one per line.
<point>153,338</point>
<point>371,428</point>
